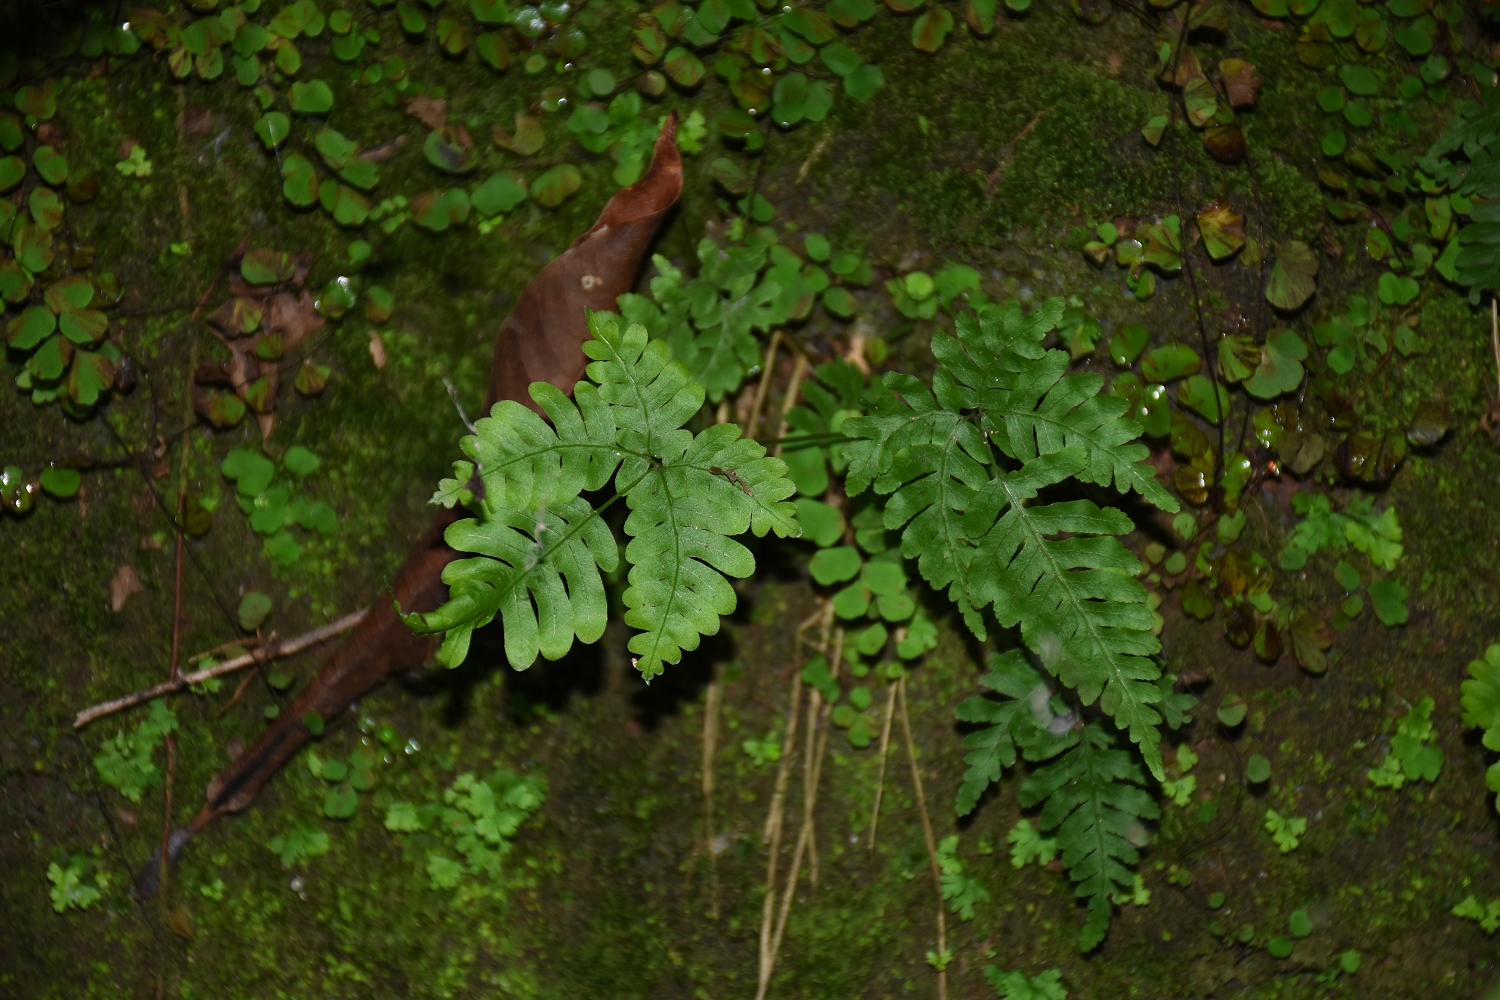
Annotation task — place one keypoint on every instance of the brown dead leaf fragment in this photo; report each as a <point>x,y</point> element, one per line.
<point>125,584</point>
<point>295,318</point>
<point>540,341</point>
<point>384,151</point>
<point>377,350</point>
<point>430,112</point>
<point>197,120</point>
<point>1241,83</point>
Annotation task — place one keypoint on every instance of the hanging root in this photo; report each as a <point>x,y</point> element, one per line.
<point>937,878</point>
<point>773,924</point>
<point>710,746</point>
<point>885,748</point>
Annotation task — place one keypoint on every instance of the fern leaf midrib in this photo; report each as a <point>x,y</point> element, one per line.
<point>1060,574</point>
<point>1096,809</point>
<point>669,519</point>
<point>946,520</point>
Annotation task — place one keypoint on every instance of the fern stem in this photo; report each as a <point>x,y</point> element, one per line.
<point>937,878</point>
<point>885,749</point>
<point>710,745</point>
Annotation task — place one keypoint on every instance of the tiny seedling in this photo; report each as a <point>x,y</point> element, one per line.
<point>1286,831</point>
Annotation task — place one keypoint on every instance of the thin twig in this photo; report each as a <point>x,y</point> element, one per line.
<point>885,747</point>
<point>269,650</point>
<point>937,877</point>
<point>199,657</point>
<point>765,384</point>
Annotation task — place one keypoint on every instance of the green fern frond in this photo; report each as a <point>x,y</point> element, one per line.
<point>925,449</point>
<point>1094,802</point>
<point>1031,405</point>
<point>539,546</point>
<point>1011,726</point>
<point>1076,598</point>
<point>710,320</point>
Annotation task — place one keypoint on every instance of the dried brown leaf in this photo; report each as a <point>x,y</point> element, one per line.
<point>125,584</point>
<point>430,112</point>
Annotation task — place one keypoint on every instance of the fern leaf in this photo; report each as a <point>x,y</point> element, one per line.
<point>682,514</point>
<point>1050,410</point>
<point>1075,598</point>
<point>1094,802</point>
<point>1010,725</point>
<point>539,546</point>
<point>522,560</point>
<point>934,473</point>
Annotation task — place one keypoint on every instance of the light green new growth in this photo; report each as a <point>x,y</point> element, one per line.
<point>1377,535</point>
<point>1481,708</point>
<point>1180,790</point>
<point>1019,986</point>
<point>974,527</point>
<point>478,817</point>
<point>298,844</point>
<point>71,889</point>
<point>1413,756</point>
<point>1287,831</point>
<point>963,892</point>
<point>1486,915</point>
<point>539,547</point>
<point>125,763</point>
<point>1027,845</point>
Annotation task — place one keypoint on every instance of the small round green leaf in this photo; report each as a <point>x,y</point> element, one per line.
<point>254,607</point>
<point>312,98</point>
<point>61,483</point>
<point>273,127</point>
<point>1257,769</point>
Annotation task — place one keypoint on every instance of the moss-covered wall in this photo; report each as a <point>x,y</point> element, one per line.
<point>992,152</point>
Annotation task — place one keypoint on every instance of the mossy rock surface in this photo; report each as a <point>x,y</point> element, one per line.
<point>994,152</point>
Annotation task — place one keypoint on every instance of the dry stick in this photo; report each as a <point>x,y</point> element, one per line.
<point>885,746</point>
<point>269,650</point>
<point>765,384</point>
<point>198,657</point>
<point>937,878</point>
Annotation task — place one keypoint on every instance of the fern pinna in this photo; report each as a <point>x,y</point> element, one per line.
<point>965,464</point>
<point>539,546</point>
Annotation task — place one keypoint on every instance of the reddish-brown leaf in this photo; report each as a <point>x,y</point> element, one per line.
<point>1240,82</point>
<point>540,341</point>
